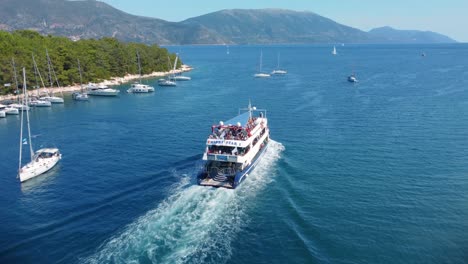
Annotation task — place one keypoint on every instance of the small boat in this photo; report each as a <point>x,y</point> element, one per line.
<point>261,74</point>
<point>9,110</point>
<point>42,160</point>
<point>139,87</point>
<point>166,82</point>
<point>334,51</point>
<point>234,148</point>
<point>50,97</point>
<point>101,90</point>
<point>81,95</point>
<point>39,103</point>
<point>179,78</point>
<point>20,107</point>
<point>352,78</point>
<point>278,70</point>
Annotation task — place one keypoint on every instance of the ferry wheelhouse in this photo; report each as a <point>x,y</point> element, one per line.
<point>234,148</point>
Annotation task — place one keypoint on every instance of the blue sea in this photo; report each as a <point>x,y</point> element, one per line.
<point>372,172</point>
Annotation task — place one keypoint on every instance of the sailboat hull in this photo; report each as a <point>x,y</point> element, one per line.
<point>38,166</point>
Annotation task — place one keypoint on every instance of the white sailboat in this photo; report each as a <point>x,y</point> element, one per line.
<point>334,51</point>
<point>51,98</point>
<point>178,77</point>
<point>261,74</point>
<point>139,87</point>
<point>42,160</point>
<point>167,81</point>
<point>81,95</point>
<point>278,70</point>
<point>37,102</point>
<point>13,109</point>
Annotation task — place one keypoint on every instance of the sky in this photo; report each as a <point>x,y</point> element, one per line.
<point>448,17</point>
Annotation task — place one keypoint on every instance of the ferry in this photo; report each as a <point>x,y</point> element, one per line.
<point>234,148</point>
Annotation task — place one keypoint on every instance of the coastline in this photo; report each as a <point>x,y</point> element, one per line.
<point>111,82</point>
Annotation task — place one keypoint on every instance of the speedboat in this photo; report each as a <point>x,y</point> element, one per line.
<point>140,88</point>
<point>352,78</point>
<point>234,148</point>
<point>101,90</point>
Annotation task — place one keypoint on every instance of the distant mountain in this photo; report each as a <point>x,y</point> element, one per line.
<point>277,26</point>
<point>93,19</point>
<point>391,35</point>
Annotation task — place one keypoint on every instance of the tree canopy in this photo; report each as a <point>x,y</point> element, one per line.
<point>100,59</point>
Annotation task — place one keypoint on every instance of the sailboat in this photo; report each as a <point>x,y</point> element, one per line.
<point>261,74</point>
<point>178,76</point>
<point>334,50</point>
<point>167,81</point>
<point>42,160</point>
<point>13,109</point>
<point>138,87</point>
<point>36,101</point>
<point>51,98</point>
<point>278,70</point>
<point>80,96</point>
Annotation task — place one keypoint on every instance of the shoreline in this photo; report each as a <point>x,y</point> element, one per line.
<point>111,82</point>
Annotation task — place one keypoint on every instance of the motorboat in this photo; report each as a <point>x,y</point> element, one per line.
<point>101,90</point>
<point>352,78</point>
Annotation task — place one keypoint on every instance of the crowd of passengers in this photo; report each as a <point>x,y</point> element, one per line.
<point>227,150</point>
<point>232,132</point>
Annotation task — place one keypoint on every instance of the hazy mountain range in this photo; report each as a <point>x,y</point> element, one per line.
<point>94,19</point>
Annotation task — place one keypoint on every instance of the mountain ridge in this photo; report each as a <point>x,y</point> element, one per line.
<point>85,19</point>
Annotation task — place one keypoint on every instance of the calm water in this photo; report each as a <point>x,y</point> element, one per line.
<point>375,172</point>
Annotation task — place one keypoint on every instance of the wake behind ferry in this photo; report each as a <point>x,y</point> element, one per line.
<point>234,148</point>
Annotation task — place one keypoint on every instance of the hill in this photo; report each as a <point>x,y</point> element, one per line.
<point>391,35</point>
<point>86,19</point>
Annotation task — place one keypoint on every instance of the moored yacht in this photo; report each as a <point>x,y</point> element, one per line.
<point>261,74</point>
<point>81,95</point>
<point>101,90</point>
<point>39,103</point>
<point>42,160</point>
<point>234,148</point>
<point>138,87</point>
<point>166,82</point>
<point>9,110</point>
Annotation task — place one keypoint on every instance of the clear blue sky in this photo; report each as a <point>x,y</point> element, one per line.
<point>449,17</point>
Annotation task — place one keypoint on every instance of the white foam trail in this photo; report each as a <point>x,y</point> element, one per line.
<point>194,225</point>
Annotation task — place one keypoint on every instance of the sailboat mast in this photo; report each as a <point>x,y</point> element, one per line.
<point>27,114</point>
<point>16,78</point>
<point>50,71</point>
<point>277,65</point>
<point>139,65</point>
<point>36,69</point>
<point>81,78</point>
<point>21,137</point>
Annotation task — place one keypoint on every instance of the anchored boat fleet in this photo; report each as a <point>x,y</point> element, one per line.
<point>234,148</point>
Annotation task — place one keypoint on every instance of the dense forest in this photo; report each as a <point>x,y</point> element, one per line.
<point>99,59</point>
